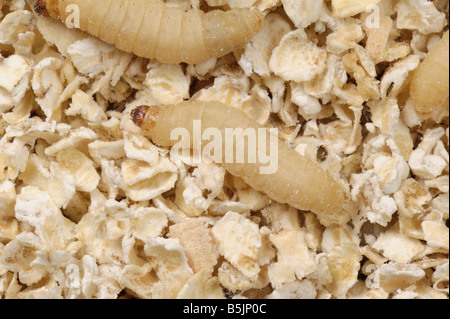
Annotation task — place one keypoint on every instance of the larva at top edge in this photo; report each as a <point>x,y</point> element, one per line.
<point>151,29</point>
<point>429,86</point>
<point>298,181</point>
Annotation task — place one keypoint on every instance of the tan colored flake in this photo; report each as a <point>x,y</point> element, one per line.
<point>196,239</point>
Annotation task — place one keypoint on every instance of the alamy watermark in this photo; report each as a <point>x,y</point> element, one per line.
<point>230,146</point>
<point>372,21</point>
<point>73,19</point>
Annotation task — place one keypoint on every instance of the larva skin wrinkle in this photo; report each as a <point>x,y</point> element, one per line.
<point>298,181</point>
<point>151,29</point>
<point>430,83</point>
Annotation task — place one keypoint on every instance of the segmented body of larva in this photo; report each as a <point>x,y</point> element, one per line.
<point>430,83</point>
<point>151,29</point>
<point>298,181</point>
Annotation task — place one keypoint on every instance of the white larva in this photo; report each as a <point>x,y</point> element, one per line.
<point>299,181</point>
<point>151,29</point>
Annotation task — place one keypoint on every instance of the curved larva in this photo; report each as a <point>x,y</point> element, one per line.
<point>429,86</point>
<point>151,29</point>
<point>298,181</point>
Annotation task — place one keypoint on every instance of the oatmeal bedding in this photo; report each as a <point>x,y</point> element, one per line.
<point>91,207</point>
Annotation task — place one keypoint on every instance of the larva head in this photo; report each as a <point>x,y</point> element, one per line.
<point>46,8</point>
<point>145,117</point>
